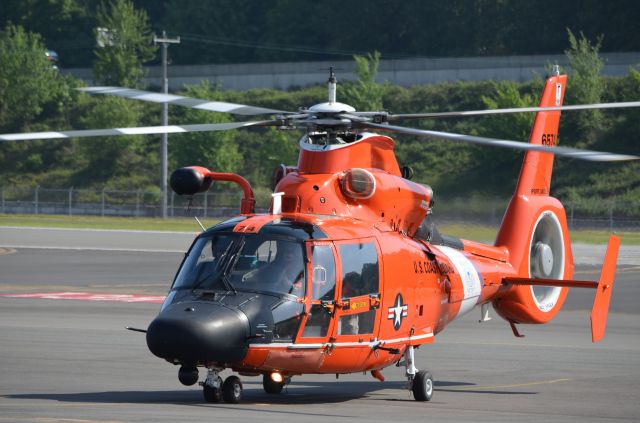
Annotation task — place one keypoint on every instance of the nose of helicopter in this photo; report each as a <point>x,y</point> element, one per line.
<point>199,332</point>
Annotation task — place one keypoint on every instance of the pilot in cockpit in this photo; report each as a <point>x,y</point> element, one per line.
<point>284,274</point>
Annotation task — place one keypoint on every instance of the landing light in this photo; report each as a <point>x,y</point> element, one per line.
<point>277,377</point>
<point>358,183</point>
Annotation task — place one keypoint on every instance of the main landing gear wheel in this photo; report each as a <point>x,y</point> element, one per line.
<point>271,387</point>
<point>232,390</point>
<point>422,386</point>
<point>212,394</point>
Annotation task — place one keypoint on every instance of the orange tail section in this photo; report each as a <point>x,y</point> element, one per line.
<point>600,308</point>
<point>534,228</point>
<point>535,176</point>
<point>604,288</point>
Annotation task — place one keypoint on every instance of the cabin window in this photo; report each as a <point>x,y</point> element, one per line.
<point>359,269</point>
<point>357,324</point>
<point>359,283</point>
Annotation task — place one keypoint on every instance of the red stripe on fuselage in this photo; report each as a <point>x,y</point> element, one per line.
<point>90,296</point>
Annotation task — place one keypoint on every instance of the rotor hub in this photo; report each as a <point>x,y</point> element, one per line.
<point>331,108</point>
<point>543,259</point>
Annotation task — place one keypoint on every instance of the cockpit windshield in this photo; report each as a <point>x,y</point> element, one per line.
<point>244,262</point>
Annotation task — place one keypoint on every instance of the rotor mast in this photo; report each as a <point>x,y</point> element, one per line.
<point>331,83</point>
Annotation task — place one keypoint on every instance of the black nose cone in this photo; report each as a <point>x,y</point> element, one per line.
<point>198,332</point>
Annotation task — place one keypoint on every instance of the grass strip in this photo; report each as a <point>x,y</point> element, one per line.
<point>476,232</point>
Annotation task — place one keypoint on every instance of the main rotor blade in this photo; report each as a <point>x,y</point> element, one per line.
<point>627,104</point>
<point>596,156</point>
<point>145,130</point>
<point>194,103</point>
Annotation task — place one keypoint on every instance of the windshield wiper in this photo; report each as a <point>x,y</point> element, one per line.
<point>228,284</point>
<point>230,263</point>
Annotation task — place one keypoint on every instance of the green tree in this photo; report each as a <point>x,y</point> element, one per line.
<point>124,162</point>
<point>584,86</point>
<point>366,94</point>
<point>214,150</point>
<point>516,126</point>
<point>33,97</point>
<point>65,25</point>
<point>29,86</point>
<point>125,33</point>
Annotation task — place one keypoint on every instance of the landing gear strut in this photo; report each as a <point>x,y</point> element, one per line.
<point>212,386</point>
<point>420,382</point>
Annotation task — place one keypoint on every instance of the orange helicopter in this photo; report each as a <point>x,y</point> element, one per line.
<point>348,272</point>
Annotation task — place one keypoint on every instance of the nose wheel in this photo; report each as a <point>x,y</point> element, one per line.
<point>214,390</point>
<point>212,385</point>
<point>212,394</point>
<point>232,390</point>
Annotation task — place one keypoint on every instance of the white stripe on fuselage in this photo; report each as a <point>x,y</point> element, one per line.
<point>471,280</point>
<point>342,344</point>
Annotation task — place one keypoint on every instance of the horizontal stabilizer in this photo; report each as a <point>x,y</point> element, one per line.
<point>603,288</point>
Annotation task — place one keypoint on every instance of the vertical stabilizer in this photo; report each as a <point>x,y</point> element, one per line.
<point>534,229</point>
<point>535,176</point>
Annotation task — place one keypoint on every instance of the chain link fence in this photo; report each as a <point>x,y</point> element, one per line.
<point>220,204</point>
<point>72,202</point>
<point>606,215</point>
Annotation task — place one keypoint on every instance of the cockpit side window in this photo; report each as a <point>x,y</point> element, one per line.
<point>323,288</point>
<point>324,273</point>
<point>272,265</point>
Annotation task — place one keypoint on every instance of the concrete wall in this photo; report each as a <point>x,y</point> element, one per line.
<point>401,72</point>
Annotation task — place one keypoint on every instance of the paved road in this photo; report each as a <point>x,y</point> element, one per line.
<point>71,361</point>
<point>96,239</point>
<point>150,241</point>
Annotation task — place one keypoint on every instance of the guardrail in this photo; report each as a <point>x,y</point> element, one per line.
<point>404,72</point>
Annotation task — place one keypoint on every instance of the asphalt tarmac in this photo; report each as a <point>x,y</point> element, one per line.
<point>71,361</point>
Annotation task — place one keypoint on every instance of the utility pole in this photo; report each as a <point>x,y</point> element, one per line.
<point>165,119</point>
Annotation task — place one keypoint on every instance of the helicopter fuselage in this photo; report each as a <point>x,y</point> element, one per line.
<point>365,294</point>
<point>372,276</point>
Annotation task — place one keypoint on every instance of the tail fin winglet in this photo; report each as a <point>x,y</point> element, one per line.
<point>600,308</point>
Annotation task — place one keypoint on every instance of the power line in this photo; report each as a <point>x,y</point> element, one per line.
<point>283,47</point>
